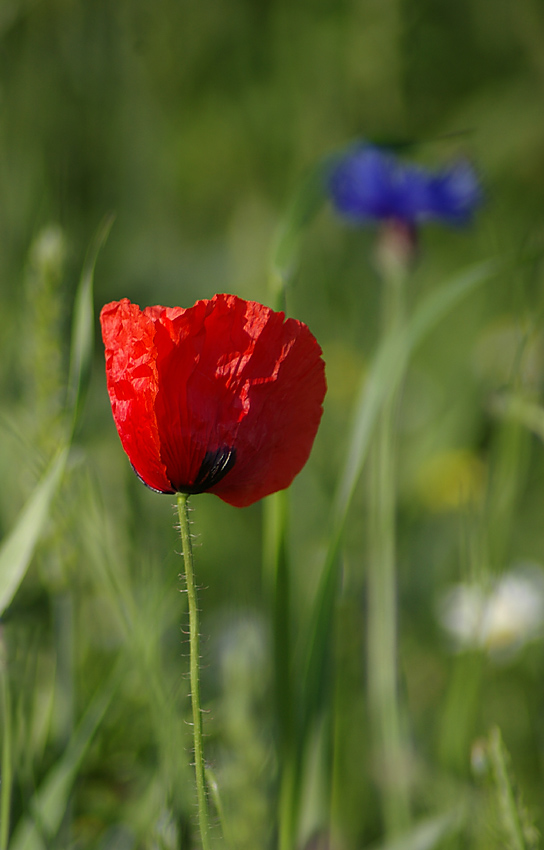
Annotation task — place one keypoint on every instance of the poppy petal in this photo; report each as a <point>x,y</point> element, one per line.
<point>232,401</point>
<point>132,380</point>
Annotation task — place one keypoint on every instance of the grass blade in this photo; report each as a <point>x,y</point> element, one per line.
<point>7,772</point>
<point>387,370</point>
<point>50,801</point>
<point>215,794</point>
<point>81,351</point>
<point>18,547</point>
<point>385,374</point>
<point>506,799</point>
<point>426,835</point>
<point>521,410</point>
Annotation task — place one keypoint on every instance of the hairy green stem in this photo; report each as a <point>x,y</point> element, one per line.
<point>194,657</point>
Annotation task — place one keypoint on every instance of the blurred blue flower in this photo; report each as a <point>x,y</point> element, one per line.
<point>370,183</point>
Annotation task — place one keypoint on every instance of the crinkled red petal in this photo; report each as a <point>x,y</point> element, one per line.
<point>279,382</point>
<point>131,372</point>
<point>226,375</point>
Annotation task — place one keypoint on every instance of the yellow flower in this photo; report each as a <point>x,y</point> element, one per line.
<point>451,480</point>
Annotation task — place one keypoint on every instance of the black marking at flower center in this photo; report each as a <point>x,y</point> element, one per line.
<point>213,468</point>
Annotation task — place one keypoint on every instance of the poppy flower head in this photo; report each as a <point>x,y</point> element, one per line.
<point>369,183</point>
<point>224,397</point>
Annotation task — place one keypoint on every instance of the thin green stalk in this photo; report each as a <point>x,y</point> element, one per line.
<point>456,728</point>
<point>6,778</point>
<point>194,655</point>
<point>277,577</point>
<point>382,600</point>
<point>63,619</point>
<point>275,559</point>
<point>348,752</point>
<point>276,568</point>
<point>287,804</point>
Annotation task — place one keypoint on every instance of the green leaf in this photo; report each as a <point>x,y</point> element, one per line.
<point>18,547</point>
<point>521,410</point>
<point>81,351</point>
<point>35,831</point>
<point>427,834</point>
<point>387,371</point>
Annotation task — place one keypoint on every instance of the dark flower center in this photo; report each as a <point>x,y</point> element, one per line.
<point>213,468</point>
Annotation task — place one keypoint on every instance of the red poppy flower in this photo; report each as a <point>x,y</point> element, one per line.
<point>225,396</point>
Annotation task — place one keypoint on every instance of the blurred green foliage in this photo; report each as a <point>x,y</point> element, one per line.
<point>195,124</point>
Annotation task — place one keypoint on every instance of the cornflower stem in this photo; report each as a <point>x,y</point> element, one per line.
<point>389,752</point>
<point>194,656</point>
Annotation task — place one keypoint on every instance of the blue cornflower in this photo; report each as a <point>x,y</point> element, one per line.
<point>370,183</point>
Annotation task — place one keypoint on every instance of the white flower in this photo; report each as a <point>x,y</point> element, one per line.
<point>501,618</point>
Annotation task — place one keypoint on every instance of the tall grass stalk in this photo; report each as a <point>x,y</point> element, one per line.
<point>64,719</point>
<point>276,561</point>
<point>387,738</point>
<point>6,779</point>
<point>460,706</point>
<point>194,656</point>
<point>385,375</point>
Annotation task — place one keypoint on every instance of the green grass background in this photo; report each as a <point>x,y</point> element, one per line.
<point>194,124</point>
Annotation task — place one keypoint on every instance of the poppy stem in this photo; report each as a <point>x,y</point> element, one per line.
<point>183,514</point>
